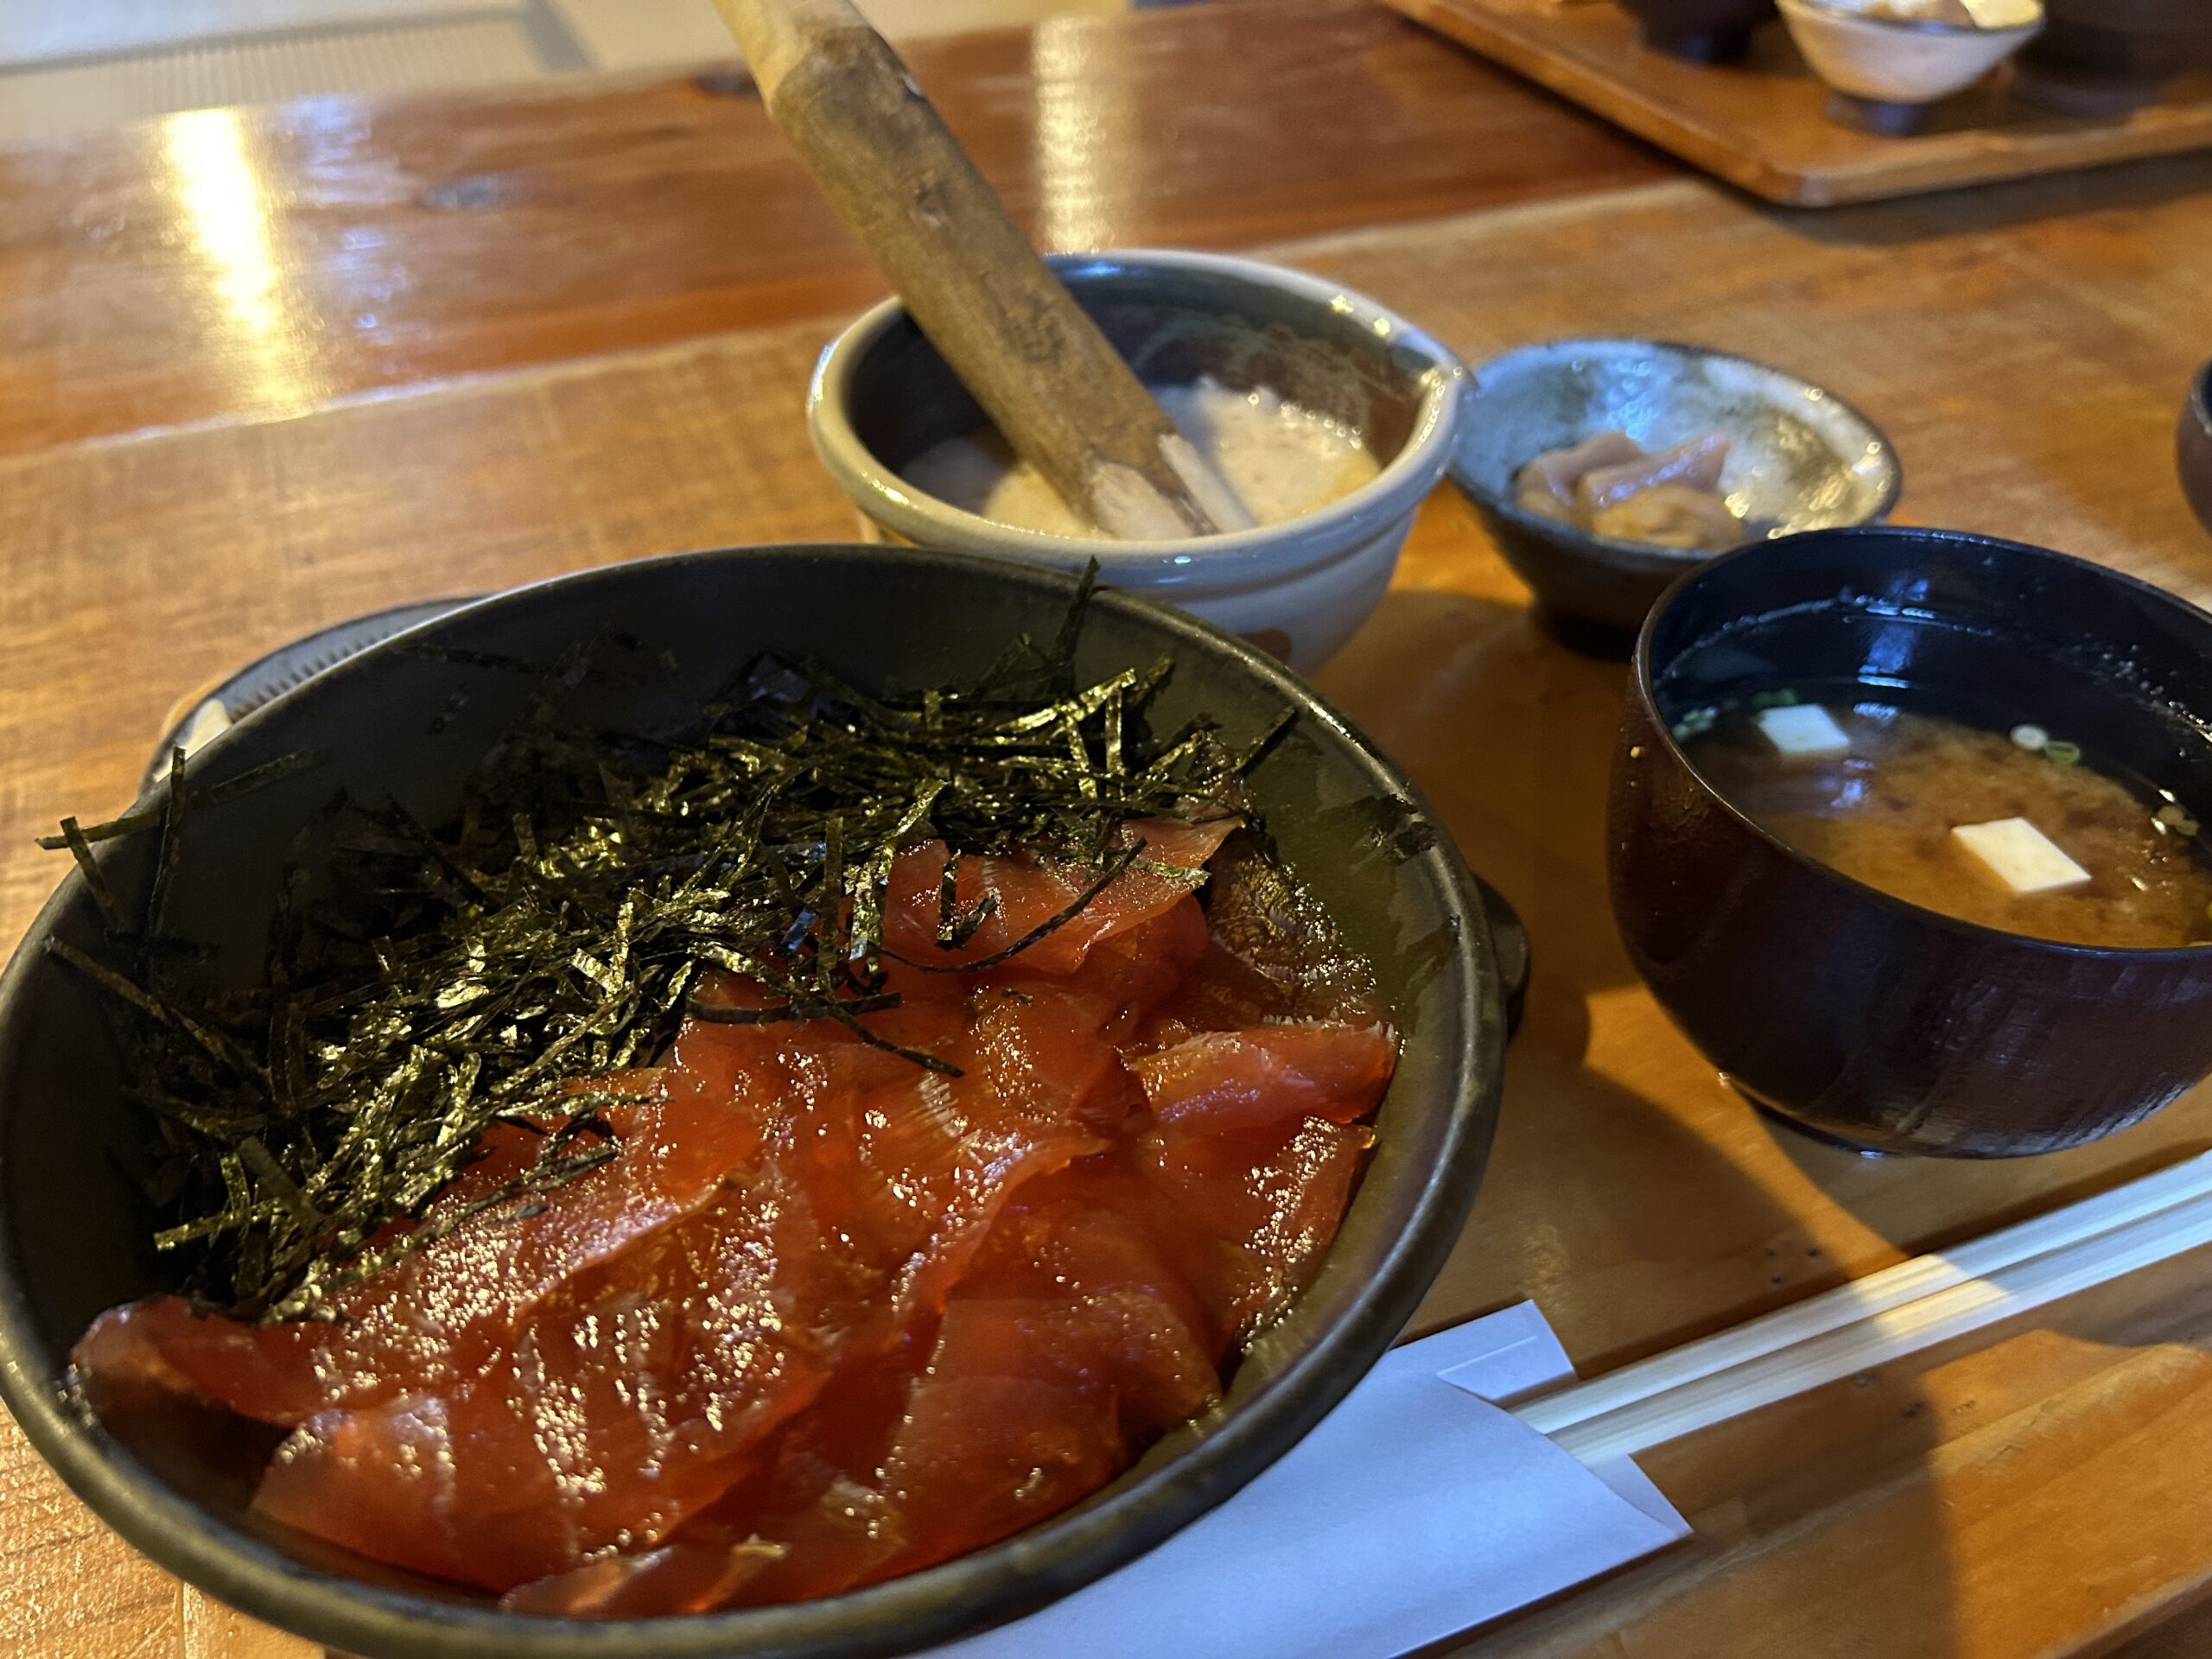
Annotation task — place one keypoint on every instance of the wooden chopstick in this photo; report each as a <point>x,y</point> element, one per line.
<point>1915,1304</point>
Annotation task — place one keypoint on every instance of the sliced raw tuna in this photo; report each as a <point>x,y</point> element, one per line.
<point>622,1409</point>
<point>828,1315</point>
<point>1275,1193</point>
<point>1242,1079</point>
<point>1025,895</point>
<point>448,1309</point>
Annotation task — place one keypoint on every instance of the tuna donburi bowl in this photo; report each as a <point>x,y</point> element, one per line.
<point>808,1099</point>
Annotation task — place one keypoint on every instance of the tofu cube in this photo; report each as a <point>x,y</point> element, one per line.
<point>2021,856</point>
<point>1803,728</point>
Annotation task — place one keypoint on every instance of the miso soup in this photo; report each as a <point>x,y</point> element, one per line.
<point>2107,862</point>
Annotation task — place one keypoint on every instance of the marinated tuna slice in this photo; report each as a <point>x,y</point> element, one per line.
<point>1273,953</point>
<point>1040,1086</point>
<point>1073,1339</point>
<point>852,1295</point>
<point>1241,1079</point>
<point>1275,1193</point>
<point>997,1433</point>
<point>1207,1277</point>
<point>620,1411</point>
<point>1024,895</point>
<point>816,1496</point>
<point>136,1355</point>
<point>450,1307</point>
<point>1124,980</point>
<point>1122,1313</point>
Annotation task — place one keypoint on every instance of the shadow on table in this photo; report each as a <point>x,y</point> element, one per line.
<point>1633,1228</point>
<point>1997,1191</point>
<point>2138,187</point>
<point>1511,739</point>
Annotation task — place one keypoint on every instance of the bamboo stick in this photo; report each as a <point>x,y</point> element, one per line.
<point>1049,379</point>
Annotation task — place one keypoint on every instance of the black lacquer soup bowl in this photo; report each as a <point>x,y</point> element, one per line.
<point>1867,1018</point>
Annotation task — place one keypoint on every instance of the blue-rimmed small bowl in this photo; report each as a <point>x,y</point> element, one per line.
<point>1801,459</point>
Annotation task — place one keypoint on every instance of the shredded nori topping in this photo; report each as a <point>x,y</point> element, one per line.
<point>423,985</point>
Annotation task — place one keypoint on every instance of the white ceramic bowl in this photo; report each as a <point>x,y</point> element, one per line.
<point>1887,59</point>
<point>881,395</point>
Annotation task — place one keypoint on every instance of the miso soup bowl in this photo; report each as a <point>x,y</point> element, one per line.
<point>409,720</point>
<point>1866,1019</point>
<point>881,395</point>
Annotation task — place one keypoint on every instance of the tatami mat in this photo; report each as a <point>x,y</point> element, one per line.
<point>71,64</point>
<point>44,101</point>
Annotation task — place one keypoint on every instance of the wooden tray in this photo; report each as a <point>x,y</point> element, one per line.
<point>1762,124</point>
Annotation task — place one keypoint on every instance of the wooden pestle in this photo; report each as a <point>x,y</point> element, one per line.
<point>1039,367</point>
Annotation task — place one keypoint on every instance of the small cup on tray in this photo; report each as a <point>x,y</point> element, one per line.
<point>1699,31</point>
<point>2105,59</point>
<point>1889,62</point>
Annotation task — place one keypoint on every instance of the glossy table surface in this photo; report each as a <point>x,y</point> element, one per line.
<point>260,372</point>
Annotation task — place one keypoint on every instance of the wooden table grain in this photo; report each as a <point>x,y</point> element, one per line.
<point>2037,1489</point>
<point>262,263</point>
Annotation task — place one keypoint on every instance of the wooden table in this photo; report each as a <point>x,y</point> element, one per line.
<point>262,371</point>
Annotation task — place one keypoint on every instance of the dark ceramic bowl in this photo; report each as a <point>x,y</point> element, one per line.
<point>1802,459</point>
<point>1870,1021</point>
<point>2193,446</point>
<point>73,1231</point>
<point>1703,31</point>
<point>2106,57</point>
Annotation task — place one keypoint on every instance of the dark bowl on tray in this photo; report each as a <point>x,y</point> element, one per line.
<point>1703,31</point>
<point>1868,1019</point>
<point>2104,58</point>
<point>73,1230</point>
<point>2193,446</point>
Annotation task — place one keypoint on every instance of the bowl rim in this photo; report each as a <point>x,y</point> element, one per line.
<point>2200,396</point>
<point>1826,9</point>
<point>1233,559</point>
<point>1002,1581</point>
<point>1645,697</point>
<point>1652,556</point>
